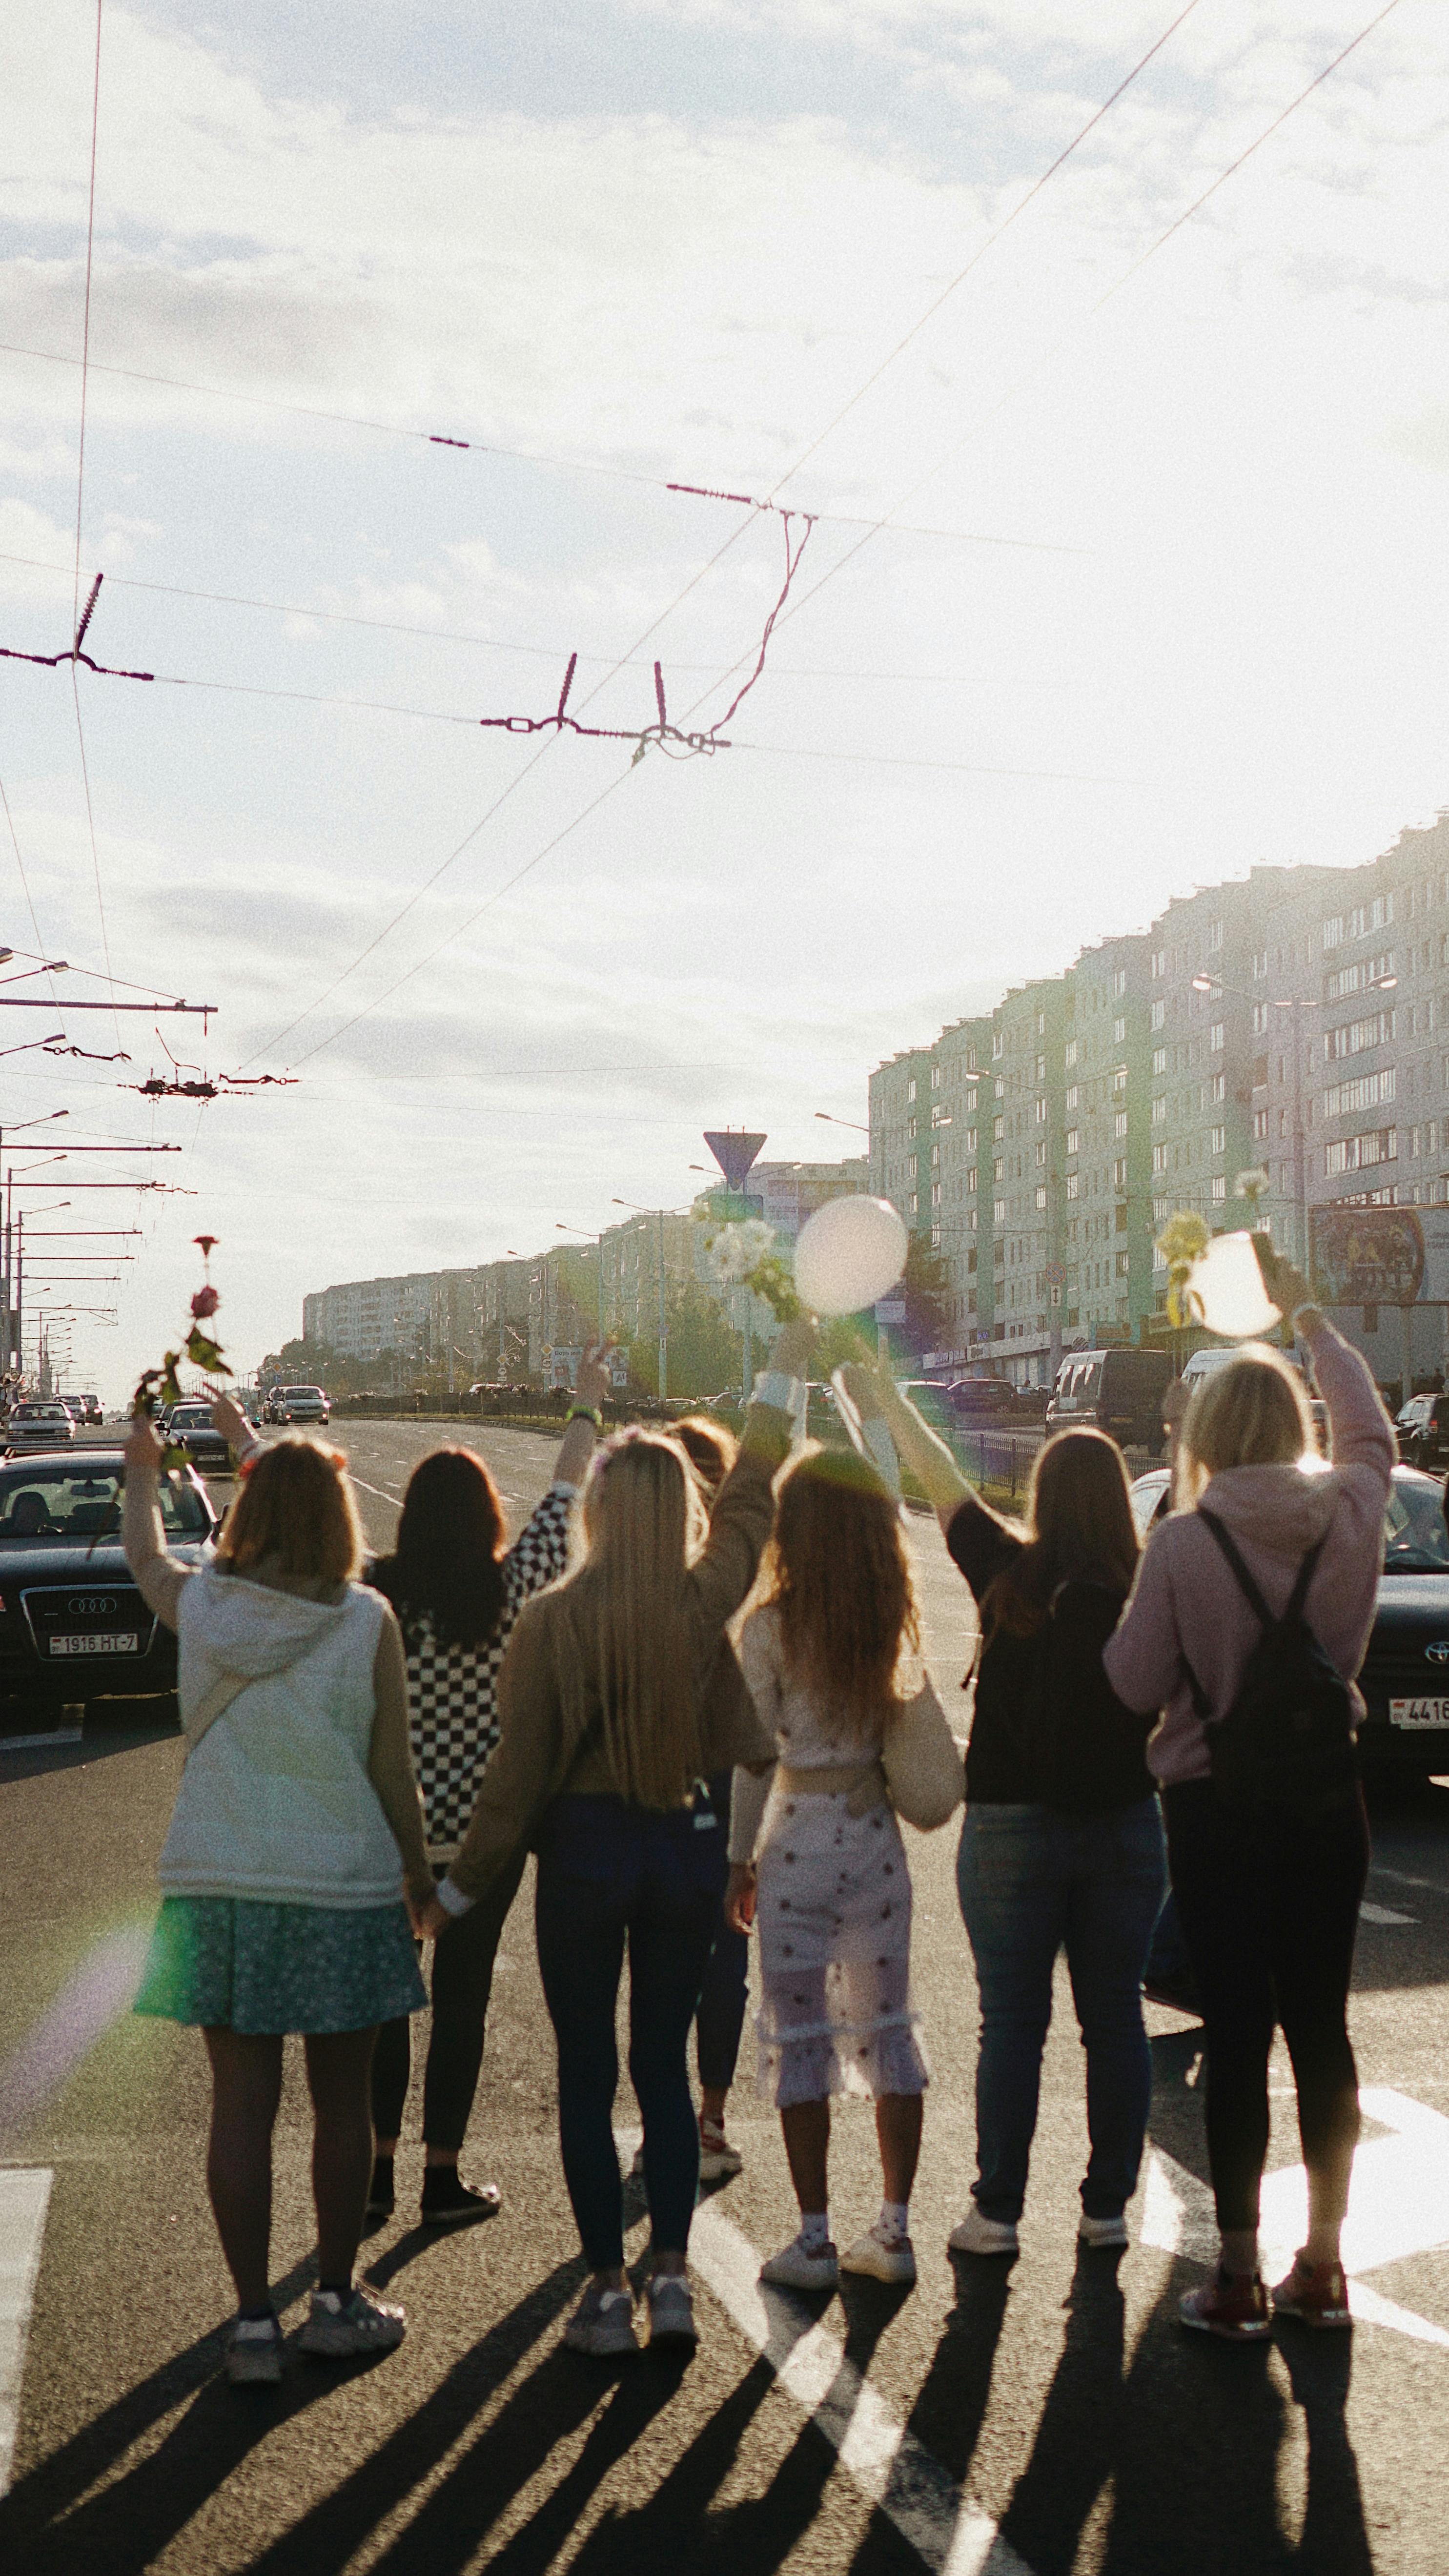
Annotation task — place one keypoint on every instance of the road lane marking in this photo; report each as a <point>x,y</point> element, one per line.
<point>1398,2206</point>
<point>381,1491</point>
<point>1405,1878</point>
<point>950,2533</point>
<point>1383,1914</point>
<point>24,2199</point>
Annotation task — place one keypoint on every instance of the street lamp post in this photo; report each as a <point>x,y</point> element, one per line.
<point>599,1241</point>
<point>660,1214</point>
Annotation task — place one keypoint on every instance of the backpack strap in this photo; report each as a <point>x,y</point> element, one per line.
<point>1306,1573</point>
<point>1245,1583</point>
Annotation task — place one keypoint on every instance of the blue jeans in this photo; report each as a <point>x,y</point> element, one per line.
<point>1031,1881</point>
<point>608,1873</point>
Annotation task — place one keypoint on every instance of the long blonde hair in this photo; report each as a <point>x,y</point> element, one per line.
<point>625,1648</point>
<point>1252,1412</point>
<point>838,1572</point>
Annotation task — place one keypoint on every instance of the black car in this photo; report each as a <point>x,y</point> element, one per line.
<point>191,1427</point>
<point>1423,1431</point>
<point>1405,1675</point>
<point>1118,1391</point>
<point>73,1627</point>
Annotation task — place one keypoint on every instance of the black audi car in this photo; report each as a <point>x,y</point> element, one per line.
<point>1405,1676</point>
<point>73,1627</point>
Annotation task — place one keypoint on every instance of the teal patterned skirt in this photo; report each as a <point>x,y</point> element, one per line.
<point>234,1961</point>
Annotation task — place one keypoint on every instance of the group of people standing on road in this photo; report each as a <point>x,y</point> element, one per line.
<point>706,1712</point>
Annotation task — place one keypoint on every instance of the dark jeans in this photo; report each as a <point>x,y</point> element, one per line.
<point>725,1991</point>
<point>1270,1912</point>
<point>463,1959</point>
<point>1031,1881</point>
<point>608,1873</point>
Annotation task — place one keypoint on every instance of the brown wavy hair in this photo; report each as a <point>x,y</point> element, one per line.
<point>296,1513</point>
<point>447,1563</point>
<point>838,1572</point>
<point>1080,1527</point>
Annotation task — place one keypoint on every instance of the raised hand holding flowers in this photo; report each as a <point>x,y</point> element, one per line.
<point>742,1254</point>
<point>157,1386</point>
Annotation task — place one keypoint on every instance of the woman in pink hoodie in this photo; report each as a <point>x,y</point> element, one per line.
<point>1268,1896</point>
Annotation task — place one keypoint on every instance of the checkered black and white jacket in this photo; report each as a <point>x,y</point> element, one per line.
<point>452,1690</point>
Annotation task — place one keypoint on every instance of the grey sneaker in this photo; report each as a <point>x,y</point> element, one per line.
<point>1110,2233</point>
<point>340,2329</point>
<point>981,2235</point>
<point>796,2267</point>
<point>671,2310</point>
<point>254,2353</point>
<point>602,2323</point>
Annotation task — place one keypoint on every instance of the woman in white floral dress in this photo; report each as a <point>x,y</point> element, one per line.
<point>831,1660</point>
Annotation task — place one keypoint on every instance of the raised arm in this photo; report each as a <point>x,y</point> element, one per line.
<point>159,1578</point>
<point>918,1447</point>
<point>581,1434</point>
<point>744,1507</point>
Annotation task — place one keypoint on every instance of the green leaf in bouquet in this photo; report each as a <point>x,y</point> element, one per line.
<point>204,1353</point>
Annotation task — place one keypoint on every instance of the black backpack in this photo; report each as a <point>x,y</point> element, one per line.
<point>1288,1742</point>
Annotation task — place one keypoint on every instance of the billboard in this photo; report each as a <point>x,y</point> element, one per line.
<point>1368,1256</point>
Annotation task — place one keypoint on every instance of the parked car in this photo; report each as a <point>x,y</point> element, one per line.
<point>1405,1676</point>
<point>305,1404</point>
<point>1423,1431</point>
<point>39,1423</point>
<point>1118,1391</point>
<point>981,1399</point>
<point>191,1427</point>
<point>73,1627</point>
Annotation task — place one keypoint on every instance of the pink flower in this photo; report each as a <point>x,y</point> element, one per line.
<point>204,1303</point>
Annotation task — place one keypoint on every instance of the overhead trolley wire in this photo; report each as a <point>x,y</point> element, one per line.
<point>78,623</point>
<point>882,526</point>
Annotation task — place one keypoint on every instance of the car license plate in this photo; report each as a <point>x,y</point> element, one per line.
<point>121,1642</point>
<point>1419,1712</point>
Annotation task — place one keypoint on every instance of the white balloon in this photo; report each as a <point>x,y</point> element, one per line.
<point>849,1253</point>
<point>1227,1287</point>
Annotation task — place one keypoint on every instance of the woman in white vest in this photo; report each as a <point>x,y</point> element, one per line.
<point>296,1824</point>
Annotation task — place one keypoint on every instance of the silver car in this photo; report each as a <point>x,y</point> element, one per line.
<point>39,1424</point>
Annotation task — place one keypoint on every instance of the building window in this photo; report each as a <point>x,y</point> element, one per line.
<point>1159,1062</point>
<point>1159,1110</point>
<point>1040,1113</point>
<point>1074,1095</point>
<point>1071,1053</point>
<point>997,1043</point>
<point>1361,1153</point>
<point>1119,1081</point>
<point>1260,964</point>
<point>1073,1185</point>
<point>1219,1140</point>
<point>1119,1174</point>
<point>1119,1032</point>
<point>1159,963</point>
<point>1041,1068</point>
<point>1333,932</point>
<point>1040,1200</point>
<point>1041,1152</point>
<point>1260,1126</point>
<point>1220,1088</point>
<point>1073,1140</point>
<point>940,1116</point>
<point>1119,982</point>
<point>935,1077</point>
<point>1217,1038</point>
<point>1119,1126</point>
<point>996,1169</point>
<point>971,1182</point>
<point>1215,935</point>
<point>1366,1091</point>
<point>998,1212</point>
<point>1159,1015</point>
<point>1260,1019</point>
<point>1220,1188</point>
<point>1041,1024</point>
<point>1159,1158</point>
<point>914,1203</point>
<point>935,1194</point>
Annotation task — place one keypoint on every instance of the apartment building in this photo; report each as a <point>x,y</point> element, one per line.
<point>1295,1021</point>
<point>790,1192</point>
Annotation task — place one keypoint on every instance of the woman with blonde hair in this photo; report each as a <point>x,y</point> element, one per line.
<point>1252,1611</point>
<point>832,1658</point>
<point>296,1824</point>
<point>616,1702</point>
<point>1061,1847</point>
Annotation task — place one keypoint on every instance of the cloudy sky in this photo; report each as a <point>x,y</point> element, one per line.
<point>1165,596</point>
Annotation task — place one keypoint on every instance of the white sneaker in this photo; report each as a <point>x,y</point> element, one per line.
<point>1111,2232</point>
<point>879,2258</point>
<point>795,2267</point>
<point>339,2329</point>
<point>254,2353</point>
<point>602,2323</point>
<point>671,2309</point>
<point>978,2235</point>
<point>718,2160</point>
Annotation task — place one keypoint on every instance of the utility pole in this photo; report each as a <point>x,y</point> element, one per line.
<point>1300,1146</point>
<point>663,1319</point>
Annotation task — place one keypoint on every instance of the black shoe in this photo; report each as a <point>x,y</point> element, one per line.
<point>380,2190</point>
<point>448,2201</point>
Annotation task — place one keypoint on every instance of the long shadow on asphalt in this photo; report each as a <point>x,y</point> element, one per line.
<point>683,2525</point>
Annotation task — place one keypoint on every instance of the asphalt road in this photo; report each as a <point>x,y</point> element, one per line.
<point>1044,2416</point>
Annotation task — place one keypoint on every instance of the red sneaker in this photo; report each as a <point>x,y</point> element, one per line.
<point>1315,2293</point>
<point>1229,2305</point>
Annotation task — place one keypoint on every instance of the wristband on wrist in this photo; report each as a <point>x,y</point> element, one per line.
<point>585,1413</point>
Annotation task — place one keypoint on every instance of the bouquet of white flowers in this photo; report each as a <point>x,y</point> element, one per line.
<point>742,1254</point>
